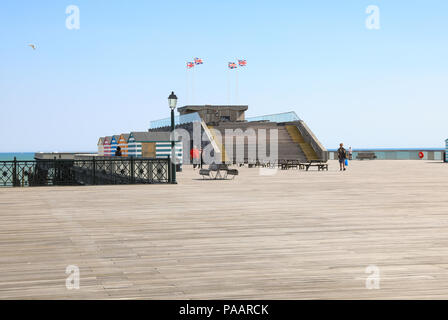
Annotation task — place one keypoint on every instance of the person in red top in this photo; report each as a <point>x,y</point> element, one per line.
<point>195,157</point>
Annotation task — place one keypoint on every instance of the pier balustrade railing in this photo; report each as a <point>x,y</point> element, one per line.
<point>91,171</point>
<point>277,117</point>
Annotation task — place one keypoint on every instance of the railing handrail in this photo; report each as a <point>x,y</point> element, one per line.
<point>312,140</point>
<point>267,117</point>
<point>179,119</point>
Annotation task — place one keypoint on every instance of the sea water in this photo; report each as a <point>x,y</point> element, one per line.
<point>9,156</point>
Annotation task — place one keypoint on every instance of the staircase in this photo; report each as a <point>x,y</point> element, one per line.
<point>288,149</point>
<point>295,135</point>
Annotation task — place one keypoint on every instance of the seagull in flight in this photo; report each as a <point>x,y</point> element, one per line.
<point>32,46</point>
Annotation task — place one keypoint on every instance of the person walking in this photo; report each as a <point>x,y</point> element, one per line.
<point>350,153</point>
<point>342,155</point>
<point>118,152</point>
<point>195,157</point>
<point>201,151</point>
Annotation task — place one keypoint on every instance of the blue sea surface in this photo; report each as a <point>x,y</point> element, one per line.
<point>9,156</point>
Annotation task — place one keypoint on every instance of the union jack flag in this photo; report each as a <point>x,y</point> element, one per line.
<point>232,65</point>
<point>242,63</point>
<point>198,61</point>
<point>190,65</point>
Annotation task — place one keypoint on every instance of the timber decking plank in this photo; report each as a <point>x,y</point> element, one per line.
<point>291,235</point>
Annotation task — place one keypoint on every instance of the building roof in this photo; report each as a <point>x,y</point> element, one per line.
<point>151,136</point>
<point>107,139</point>
<point>100,141</point>
<point>209,106</point>
<point>125,136</point>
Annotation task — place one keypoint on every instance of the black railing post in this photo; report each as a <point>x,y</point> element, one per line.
<point>170,173</point>
<point>170,176</point>
<point>132,171</point>
<point>14,173</point>
<point>55,173</point>
<point>93,171</point>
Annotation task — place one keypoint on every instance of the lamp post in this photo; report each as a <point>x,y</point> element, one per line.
<point>172,102</point>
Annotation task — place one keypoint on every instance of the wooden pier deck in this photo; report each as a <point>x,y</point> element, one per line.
<point>292,235</point>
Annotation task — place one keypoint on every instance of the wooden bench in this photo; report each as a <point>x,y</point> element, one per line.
<point>366,155</point>
<point>253,163</point>
<point>314,163</point>
<point>262,164</point>
<point>218,172</point>
<point>286,164</point>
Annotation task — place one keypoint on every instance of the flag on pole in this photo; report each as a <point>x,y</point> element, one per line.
<point>198,61</point>
<point>232,65</point>
<point>190,65</point>
<point>242,63</point>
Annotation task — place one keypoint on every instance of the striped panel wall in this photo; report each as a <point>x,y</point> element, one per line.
<point>113,148</point>
<point>163,150</point>
<point>100,150</point>
<point>124,148</point>
<point>106,151</point>
<point>134,149</point>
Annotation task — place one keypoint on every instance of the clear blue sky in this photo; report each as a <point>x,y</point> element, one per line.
<point>367,88</point>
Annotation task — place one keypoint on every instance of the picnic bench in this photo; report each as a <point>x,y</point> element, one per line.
<point>261,164</point>
<point>218,172</point>
<point>321,165</point>
<point>286,164</point>
<point>366,155</point>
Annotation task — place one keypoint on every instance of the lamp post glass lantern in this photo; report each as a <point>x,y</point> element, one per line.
<point>172,102</point>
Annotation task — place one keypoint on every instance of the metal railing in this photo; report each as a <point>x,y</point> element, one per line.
<point>166,122</point>
<point>94,171</point>
<point>278,117</point>
<point>431,154</point>
<point>312,140</point>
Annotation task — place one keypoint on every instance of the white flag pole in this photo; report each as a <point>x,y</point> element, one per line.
<point>236,85</point>
<point>186,78</point>
<point>193,96</point>
<point>228,84</point>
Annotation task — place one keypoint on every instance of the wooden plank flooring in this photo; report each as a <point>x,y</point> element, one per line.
<point>292,235</point>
